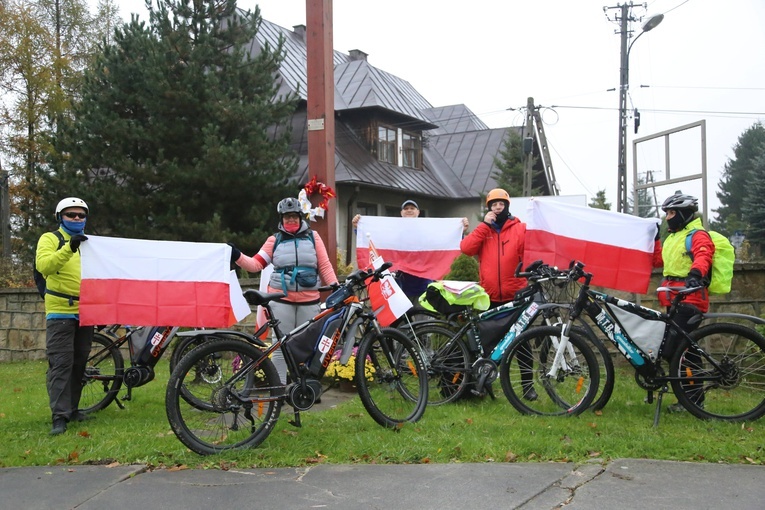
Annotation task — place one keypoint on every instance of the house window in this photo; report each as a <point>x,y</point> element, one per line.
<point>386,144</point>
<point>411,150</point>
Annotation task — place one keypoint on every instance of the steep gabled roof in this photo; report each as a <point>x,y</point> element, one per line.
<point>471,155</point>
<point>364,86</point>
<point>456,118</point>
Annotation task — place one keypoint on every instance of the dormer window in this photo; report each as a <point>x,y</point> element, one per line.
<point>399,147</point>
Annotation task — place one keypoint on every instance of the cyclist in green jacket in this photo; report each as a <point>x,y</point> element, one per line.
<point>67,344</point>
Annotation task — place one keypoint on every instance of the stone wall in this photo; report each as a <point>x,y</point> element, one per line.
<point>22,314</point>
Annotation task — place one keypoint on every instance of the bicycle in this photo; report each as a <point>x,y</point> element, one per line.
<point>105,373</point>
<point>461,353</point>
<point>716,372</point>
<point>242,391</point>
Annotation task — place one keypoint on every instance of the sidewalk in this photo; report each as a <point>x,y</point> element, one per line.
<point>625,484</point>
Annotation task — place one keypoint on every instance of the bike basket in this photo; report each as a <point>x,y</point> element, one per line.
<point>313,347</point>
<point>647,334</point>
<point>492,327</point>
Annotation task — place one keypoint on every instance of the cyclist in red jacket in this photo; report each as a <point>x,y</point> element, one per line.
<point>498,243</point>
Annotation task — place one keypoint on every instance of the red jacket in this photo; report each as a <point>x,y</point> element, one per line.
<point>498,255</point>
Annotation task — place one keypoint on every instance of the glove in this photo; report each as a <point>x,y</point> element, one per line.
<point>75,241</point>
<point>694,279</point>
<point>235,253</point>
<point>658,232</point>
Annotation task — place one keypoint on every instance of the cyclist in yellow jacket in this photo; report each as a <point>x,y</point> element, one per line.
<point>67,344</point>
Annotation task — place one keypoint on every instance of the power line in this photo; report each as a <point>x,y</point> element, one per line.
<point>712,112</point>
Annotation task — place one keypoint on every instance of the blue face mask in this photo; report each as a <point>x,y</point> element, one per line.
<point>73,227</point>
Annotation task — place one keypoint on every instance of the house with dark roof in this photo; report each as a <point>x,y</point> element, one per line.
<point>391,144</point>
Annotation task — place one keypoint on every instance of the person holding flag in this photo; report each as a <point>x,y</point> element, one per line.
<point>412,285</point>
<point>300,263</point>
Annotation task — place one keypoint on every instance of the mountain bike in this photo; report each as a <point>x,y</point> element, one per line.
<point>106,374</point>
<point>464,353</point>
<point>243,394</point>
<point>716,372</point>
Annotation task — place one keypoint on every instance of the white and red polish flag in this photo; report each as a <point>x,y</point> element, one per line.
<point>386,298</point>
<point>424,247</point>
<point>616,248</point>
<point>158,283</point>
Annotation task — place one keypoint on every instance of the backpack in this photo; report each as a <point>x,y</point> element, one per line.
<point>722,261</point>
<point>39,278</point>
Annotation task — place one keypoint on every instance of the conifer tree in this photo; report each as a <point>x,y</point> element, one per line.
<point>181,133</point>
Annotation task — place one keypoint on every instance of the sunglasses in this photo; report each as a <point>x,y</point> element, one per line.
<point>73,215</point>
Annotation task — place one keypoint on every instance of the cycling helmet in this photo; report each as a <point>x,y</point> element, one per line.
<point>288,205</point>
<point>70,202</point>
<point>681,201</point>
<point>497,194</point>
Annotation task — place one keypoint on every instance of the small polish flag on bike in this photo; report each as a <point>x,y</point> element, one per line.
<point>387,299</point>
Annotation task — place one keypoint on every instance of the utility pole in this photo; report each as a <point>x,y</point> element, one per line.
<point>321,111</point>
<point>624,18</point>
<point>534,126</point>
<point>624,79</point>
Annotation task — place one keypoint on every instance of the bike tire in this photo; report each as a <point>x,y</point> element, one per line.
<point>448,361</point>
<point>605,364</point>
<point>183,346</point>
<point>570,393</point>
<point>225,422</point>
<point>392,394</point>
<point>734,393</point>
<point>103,374</point>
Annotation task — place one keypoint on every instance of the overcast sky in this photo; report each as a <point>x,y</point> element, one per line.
<point>705,61</point>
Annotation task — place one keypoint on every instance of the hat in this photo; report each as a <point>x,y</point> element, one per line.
<point>410,202</point>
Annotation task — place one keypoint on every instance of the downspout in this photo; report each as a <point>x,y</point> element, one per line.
<point>349,225</point>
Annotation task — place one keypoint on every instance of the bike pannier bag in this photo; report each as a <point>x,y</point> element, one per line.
<point>314,346</point>
<point>646,333</point>
<point>493,326</point>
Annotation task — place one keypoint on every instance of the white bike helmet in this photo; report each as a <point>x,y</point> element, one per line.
<point>70,202</point>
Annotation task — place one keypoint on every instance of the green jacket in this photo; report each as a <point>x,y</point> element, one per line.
<point>61,269</point>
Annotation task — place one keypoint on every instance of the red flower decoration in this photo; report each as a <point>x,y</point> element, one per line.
<point>313,187</point>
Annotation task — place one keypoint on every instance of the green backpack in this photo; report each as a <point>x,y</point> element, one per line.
<point>722,261</point>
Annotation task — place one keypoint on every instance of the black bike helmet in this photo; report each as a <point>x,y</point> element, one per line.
<point>681,201</point>
<point>288,205</point>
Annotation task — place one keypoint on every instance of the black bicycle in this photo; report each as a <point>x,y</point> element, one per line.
<point>716,372</point>
<point>242,394</point>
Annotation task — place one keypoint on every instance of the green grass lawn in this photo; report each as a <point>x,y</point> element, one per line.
<point>475,430</point>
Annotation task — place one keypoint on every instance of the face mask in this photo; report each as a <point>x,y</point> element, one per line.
<point>678,221</point>
<point>73,227</point>
<point>291,228</point>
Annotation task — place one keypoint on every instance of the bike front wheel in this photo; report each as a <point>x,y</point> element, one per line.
<point>242,402</point>
<point>728,384</point>
<point>103,374</point>
<point>533,386</point>
<point>391,378</point>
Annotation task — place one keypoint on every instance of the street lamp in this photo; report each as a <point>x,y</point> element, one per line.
<point>650,24</point>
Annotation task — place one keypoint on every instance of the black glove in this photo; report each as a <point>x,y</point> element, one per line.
<point>694,279</point>
<point>658,232</point>
<point>75,241</point>
<point>235,253</point>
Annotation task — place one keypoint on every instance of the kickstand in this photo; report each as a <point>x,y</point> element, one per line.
<point>119,403</point>
<point>295,422</point>
<point>657,413</point>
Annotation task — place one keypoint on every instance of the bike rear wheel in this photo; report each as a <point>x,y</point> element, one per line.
<point>393,388</point>
<point>448,361</point>
<point>530,389</point>
<point>103,374</point>
<point>229,418</point>
<point>733,392</point>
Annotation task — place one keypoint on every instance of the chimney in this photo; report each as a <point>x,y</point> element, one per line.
<point>299,30</point>
<point>358,55</point>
